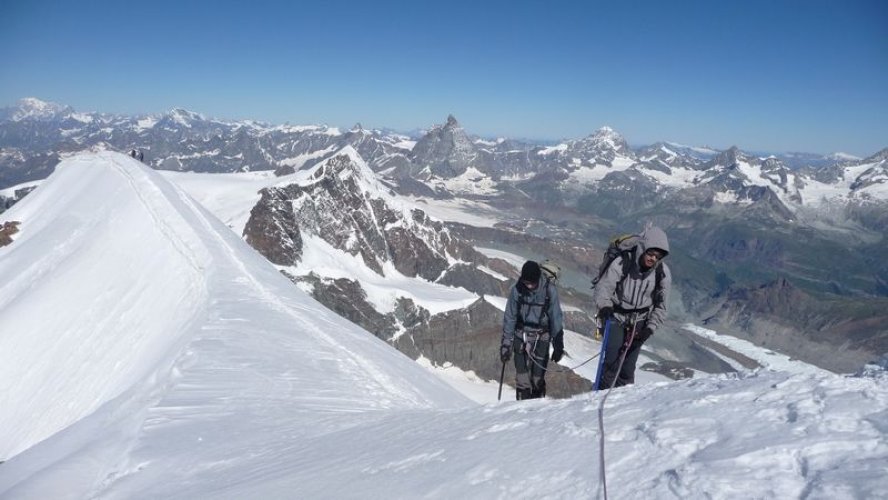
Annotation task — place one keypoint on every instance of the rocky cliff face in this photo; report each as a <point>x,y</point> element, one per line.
<point>341,202</point>
<point>839,332</point>
<point>273,230</point>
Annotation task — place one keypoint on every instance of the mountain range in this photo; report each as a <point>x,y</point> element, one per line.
<point>748,231</point>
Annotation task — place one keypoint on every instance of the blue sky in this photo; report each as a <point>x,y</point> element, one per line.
<point>763,75</point>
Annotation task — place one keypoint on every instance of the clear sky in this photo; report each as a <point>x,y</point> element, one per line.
<point>806,75</point>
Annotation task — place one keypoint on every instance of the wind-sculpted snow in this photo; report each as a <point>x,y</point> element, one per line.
<point>147,352</point>
<point>120,289</point>
<point>103,269</point>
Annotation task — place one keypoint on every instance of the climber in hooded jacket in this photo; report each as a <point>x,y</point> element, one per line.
<point>532,320</point>
<point>634,304</point>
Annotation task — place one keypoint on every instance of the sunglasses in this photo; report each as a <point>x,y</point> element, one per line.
<point>654,254</point>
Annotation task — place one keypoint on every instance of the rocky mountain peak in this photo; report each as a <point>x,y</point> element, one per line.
<point>447,151</point>
<point>602,146</point>
<point>726,159</point>
<point>342,203</point>
<point>774,164</point>
<point>605,131</point>
<point>348,164</point>
<point>184,117</point>
<point>607,135</point>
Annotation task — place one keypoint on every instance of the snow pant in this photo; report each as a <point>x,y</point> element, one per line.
<point>531,353</point>
<point>617,337</point>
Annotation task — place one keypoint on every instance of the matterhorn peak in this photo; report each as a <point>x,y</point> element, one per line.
<point>357,128</point>
<point>451,122</point>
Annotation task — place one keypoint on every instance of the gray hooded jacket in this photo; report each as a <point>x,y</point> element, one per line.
<point>638,286</point>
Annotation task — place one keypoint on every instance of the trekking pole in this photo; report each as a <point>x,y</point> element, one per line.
<point>499,395</point>
<point>601,355</point>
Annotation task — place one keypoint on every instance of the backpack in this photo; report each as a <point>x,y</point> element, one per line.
<point>624,246</point>
<point>551,271</point>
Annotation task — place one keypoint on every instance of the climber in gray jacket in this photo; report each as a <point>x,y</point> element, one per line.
<point>632,295</point>
<point>531,321</point>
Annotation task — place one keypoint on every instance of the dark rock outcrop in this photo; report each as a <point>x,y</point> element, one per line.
<point>7,230</point>
<point>272,229</point>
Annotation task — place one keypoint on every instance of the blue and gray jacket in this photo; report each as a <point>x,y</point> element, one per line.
<point>528,309</point>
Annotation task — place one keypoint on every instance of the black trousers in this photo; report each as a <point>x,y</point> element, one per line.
<point>531,362</point>
<point>617,337</point>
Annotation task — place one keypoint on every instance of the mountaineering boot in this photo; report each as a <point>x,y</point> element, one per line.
<point>523,394</point>
<point>539,391</point>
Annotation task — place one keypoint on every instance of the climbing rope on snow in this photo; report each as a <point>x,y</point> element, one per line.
<point>601,467</point>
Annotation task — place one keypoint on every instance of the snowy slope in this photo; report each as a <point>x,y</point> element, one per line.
<point>120,292</point>
<point>147,352</point>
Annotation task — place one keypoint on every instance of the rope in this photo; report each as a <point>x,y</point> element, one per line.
<point>558,368</point>
<point>625,350</point>
<point>601,471</point>
<point>528,352</point>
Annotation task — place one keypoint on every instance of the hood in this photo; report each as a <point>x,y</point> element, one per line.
<point>654,237</point>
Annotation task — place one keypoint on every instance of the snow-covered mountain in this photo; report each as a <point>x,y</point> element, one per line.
<point>589,159</point>
<point>31,108</point>
<point>147,352</point>
<point>605,146</point>
<point>34,133</point>
<point>416,281</point>
<point>179,140</point>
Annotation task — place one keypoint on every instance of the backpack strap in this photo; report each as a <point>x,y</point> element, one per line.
<point>546,303</point>
<point>657,295</point>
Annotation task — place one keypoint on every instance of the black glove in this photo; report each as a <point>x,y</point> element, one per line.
<point>557,349</point>
<point>505,352</point>
<point>643,335</point>
<point>605,313</point>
